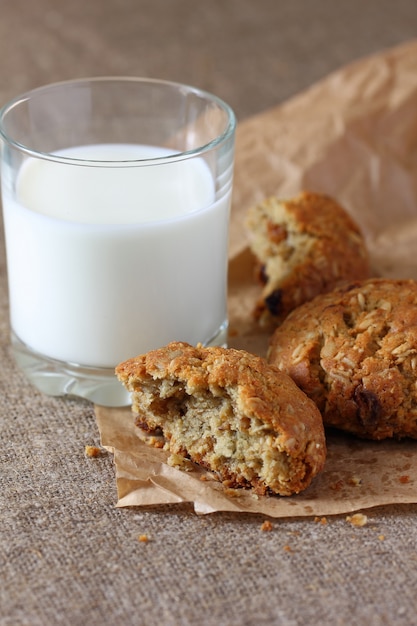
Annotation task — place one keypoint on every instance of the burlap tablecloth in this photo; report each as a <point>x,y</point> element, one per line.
<point>67,555</point>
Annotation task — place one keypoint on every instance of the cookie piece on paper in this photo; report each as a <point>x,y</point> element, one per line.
<point>303,246</point>
<point>354,352</point>
<point>230,412</point>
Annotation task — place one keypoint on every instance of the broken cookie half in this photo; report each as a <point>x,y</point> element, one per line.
<point>303,246</point>
<point>230,412</point>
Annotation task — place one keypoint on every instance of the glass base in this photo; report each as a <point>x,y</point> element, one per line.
<point>98,385</point>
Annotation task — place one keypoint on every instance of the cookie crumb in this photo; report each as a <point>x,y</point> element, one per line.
<point>355,481</point>
<point>357,520</point>
<point>266,526</point>
<point>180,462</point>
<point>287,548</point>
<point>156,442</point>
<point>92,452</point>
<point>381,537</point>
<point>143,538</point>
<point>404,479</point>
<point>320,520</point>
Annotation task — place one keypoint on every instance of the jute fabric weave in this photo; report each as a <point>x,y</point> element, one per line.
<point>67,555</point>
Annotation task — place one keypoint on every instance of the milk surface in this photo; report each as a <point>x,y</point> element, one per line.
<point>108,262</point>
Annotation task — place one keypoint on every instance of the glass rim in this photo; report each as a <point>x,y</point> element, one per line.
<point>169,158</point>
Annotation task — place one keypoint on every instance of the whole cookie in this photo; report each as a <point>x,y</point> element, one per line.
<point>354,352</point>
<point>304,246</point>
<point>230,412</point>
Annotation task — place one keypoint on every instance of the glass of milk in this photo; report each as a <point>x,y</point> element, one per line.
<point>116,197</point>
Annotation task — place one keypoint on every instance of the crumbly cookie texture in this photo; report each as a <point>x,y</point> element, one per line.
<point>230,412</point>
<point>354,352</point>
<point>303,246</point>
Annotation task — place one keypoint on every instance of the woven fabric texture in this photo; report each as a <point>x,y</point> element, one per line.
<point>68,556</point>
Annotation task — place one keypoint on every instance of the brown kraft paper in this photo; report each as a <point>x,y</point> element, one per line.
<point>353,135</point>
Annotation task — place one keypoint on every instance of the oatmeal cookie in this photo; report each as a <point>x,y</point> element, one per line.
<point>303,246</point>
<point>354,352</point>
<point>230,412</point>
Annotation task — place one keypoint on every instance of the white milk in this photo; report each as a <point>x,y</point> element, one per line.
<point>106,263</point>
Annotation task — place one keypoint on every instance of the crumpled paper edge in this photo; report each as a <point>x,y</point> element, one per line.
<point>357,475</point>
<point>351,135</point>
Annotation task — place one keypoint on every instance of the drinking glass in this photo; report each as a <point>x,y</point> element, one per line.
<point>116,197</point>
